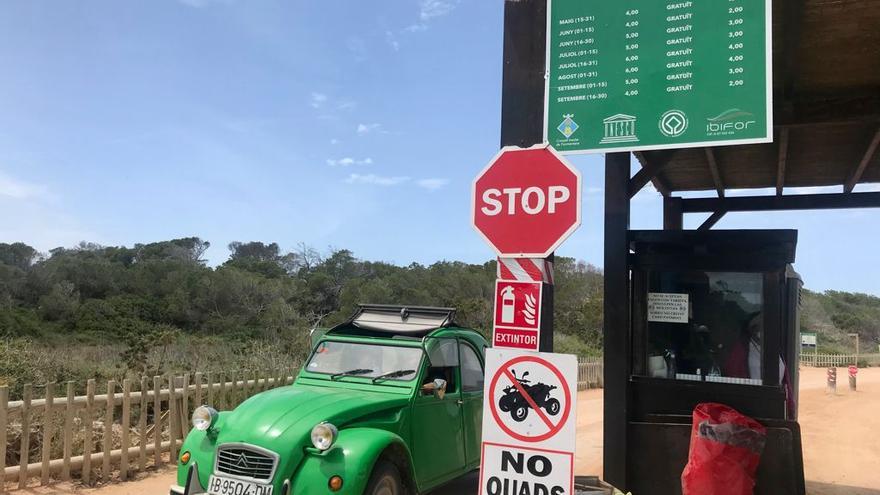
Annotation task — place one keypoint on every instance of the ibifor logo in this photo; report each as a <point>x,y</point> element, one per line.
<point>729,122</point>
<point>673,123</point>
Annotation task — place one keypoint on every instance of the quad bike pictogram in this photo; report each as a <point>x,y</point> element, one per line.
<point>513,402</point>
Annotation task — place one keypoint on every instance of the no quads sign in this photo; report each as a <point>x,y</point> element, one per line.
<point>528,423</point>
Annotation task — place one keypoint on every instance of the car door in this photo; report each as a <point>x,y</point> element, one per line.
<point>437,437</point>
<point>472,376</point>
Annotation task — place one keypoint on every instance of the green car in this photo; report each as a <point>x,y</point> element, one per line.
<point>388,403</point>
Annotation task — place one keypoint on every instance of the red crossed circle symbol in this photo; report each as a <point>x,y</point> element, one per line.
<point>553,429</point>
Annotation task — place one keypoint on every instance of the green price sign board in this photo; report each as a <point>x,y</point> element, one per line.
<point>628,75</point>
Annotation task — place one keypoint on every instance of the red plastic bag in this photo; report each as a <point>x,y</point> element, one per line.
<point>725,450</point>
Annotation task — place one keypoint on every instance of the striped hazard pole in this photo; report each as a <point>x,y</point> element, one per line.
<point>832,380</point>
<point>525,270</point>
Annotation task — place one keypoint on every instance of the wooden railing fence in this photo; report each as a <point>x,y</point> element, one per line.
<point>126,429</point>
<point>590,373</point>
<point>829,360</point>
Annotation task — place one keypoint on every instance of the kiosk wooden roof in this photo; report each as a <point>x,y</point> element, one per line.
<point>826,109</point>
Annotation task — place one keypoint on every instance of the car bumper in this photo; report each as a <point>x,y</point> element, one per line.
<point>193,485</point>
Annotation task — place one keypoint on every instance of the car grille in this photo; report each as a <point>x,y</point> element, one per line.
<point>245,462</point>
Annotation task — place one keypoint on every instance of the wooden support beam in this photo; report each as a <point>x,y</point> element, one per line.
<point>856,175</point>
<point>783,159</point>
<point>792,33</point>
<point>673,218</point>
<point>713,168</point>
<point>652,166</point>
<point>616,324</point>
<point>712,220</point>
<point>834,109</point>
<point>782,203</point>
<point>522,82</point>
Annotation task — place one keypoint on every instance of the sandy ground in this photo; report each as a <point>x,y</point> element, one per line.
<point>840,437</point>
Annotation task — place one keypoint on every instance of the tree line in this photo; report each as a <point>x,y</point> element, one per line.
<point>153,293</point>
<point>151,299</point>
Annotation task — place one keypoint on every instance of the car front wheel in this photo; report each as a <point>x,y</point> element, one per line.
<point>385,480</point>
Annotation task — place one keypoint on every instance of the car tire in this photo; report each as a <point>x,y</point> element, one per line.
<point>552,407</point>
<point>385,480</point>
<point>519,413</point>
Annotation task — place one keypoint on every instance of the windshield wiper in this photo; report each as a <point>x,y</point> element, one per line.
<point>394,374</point>
<point>354,372</point>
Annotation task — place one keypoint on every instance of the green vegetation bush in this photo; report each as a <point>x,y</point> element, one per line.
<point>109,312</point>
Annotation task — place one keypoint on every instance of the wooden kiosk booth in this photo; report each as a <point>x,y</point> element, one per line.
<point>708,315</point>
<point>740,284</point>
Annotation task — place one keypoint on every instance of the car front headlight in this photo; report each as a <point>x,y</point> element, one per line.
<point>204,417</point>
<point>324,435</point>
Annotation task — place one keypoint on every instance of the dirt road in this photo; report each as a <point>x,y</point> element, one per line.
<point>840,436</point>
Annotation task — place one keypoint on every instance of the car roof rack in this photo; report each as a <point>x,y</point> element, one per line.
<point>415,321</point>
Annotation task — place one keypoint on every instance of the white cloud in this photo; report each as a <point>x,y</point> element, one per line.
<point>432,184</point>
<point>348,161</point>
<point>346,105</point>
<point>363,129</point>
<point>318,100</point>
<point>431,9</point>
<point>377,180</point>
<point>334,141</point>
<point>391,39</point>
<point>416,28</point>
<point>17,189</point>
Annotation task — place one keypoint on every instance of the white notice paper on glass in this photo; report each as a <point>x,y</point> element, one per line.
<point>667,308</point>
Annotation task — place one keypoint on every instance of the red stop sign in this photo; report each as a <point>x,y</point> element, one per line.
<point>527,201</point>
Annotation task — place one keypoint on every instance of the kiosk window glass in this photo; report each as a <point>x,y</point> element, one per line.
<point>705,325</point>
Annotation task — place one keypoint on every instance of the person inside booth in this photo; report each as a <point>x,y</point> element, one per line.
<point>721,340</point>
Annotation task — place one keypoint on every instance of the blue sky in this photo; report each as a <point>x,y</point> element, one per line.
<point>348,124</point>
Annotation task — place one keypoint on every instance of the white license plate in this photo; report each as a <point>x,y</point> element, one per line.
<point>219,485</point>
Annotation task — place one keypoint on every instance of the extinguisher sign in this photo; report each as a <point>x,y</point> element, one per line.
<point>517,323</point>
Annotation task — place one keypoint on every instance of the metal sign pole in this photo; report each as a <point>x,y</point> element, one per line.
<point>522,101</point>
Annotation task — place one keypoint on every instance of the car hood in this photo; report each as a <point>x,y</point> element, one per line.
<point>282,419</point>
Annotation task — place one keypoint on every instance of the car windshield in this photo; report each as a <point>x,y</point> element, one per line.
<point>340,359</point>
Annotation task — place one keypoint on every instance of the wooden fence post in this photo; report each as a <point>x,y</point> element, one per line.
<point>221,393</point>
<point>198,398</point>
<point>88,441</point>
<point>233,387</point>
<point>4,416</point>
<point>172,419</point>
<point>108,429</point>
<point>142,426</point>
<point>210,380</point>
<point>47,434</point>
<point>68,432</point>
<point>184,409</point>
<point>126,424</point>
<point>25,435</point>
<point>157,420</point>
